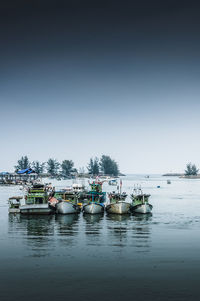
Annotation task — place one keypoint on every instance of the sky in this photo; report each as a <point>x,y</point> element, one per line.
<point>79,79</point>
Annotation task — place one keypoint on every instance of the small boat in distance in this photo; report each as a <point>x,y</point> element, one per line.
<point>140,201</point>
<point>14,203</point>
<point>95,199</point>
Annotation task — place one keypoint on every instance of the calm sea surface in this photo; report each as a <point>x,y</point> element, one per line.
<point>80,257</point>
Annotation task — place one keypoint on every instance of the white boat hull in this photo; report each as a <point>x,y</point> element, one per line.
<point>93,208</point>
<point>35,209</point>
<point>118,208</point>
<point>66,208</point>
<point>14,210</point>
<point>143,208</point>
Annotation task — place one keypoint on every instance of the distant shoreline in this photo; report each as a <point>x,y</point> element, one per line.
<point>173,175</point>
<point>190,177</point>
<point>180,175</point>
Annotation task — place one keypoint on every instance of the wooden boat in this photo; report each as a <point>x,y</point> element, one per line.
<point>117,203</point>
<point>36,201</point>
<point>140,202</point>
<point>14,204</point>
<point>95,199</point>
<point>67,202</point>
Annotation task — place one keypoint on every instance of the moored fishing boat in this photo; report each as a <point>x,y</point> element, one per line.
<point>66,207</point>
<point>95,199</point>
<point>117,204</point>
<point>67,202</point>
<point>140,202</point>
<point>93,208</point>
<point>14,204</point>
<point>36,201</point>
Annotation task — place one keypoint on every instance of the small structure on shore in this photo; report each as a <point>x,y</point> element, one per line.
<point>18,178</point>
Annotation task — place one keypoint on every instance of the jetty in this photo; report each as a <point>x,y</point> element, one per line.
<point>7,178</point>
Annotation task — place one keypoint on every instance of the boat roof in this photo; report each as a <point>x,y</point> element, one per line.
<point>25,171</point>
<point>36,194</point>
<point>4,173</point>
<point>77,185</point>
<point>16,197</point>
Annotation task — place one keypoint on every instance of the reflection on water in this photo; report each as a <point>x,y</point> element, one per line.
<point>38,227</point>
<point>93,227</point>
<point>35,232</point>
<point>30,225</point>
<point>142,232</point>
<point>117,229</point>
<point>142,217</point>
<point>130,231</point>
<point>67,230</point>
<point>119,217</point>
<point>82,255</point>
<point>65,224</point>
<point>93,218</point>
<point>40,232</point>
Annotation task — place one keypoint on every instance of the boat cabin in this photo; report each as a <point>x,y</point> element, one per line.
<point>37,195</point>
<point>14,203</point>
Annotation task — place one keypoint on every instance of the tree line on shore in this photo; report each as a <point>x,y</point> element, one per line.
<point>191,170</point>
<point>105,165</point>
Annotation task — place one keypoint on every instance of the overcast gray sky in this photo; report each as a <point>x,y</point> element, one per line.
<point>87,81</point>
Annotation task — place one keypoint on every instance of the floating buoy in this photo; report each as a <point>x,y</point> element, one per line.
<point>158,186</point>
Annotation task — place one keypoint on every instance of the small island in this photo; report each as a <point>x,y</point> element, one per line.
<point>191,172</point>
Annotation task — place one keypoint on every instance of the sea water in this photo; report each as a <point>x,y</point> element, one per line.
<point>92,257</point>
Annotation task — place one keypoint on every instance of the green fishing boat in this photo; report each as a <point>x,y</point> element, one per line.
<point>36,201</point>
<point>95,199</point>
<point>140,201</point>
<point>67,201</point>
<point>117,204</point>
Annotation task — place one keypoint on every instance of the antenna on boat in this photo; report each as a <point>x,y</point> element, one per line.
<point>83,182</point>
<point>120,186</point>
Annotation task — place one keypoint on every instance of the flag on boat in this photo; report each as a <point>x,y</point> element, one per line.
<point>97,180</point>
<point>120,182</point>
